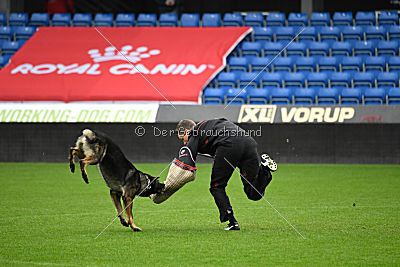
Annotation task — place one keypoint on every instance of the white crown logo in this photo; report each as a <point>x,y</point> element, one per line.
<point>126,53</point>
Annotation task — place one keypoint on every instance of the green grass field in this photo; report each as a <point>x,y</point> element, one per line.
<point>51,217</point>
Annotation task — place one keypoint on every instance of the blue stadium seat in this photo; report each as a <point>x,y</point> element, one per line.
<point>375,33</point>
<point>238,63</point>
<point>320,19</point>
<point>104,20</point>
<point>305,64</point>
<point>308,34</point>
<point>393,96</point>
<point>387,79</point>
<point>211,20</point>
<point>257,96</point>
<point>296,48</point>
<point>341,48</point>
<point>226,79</point>
<point>18,19</point>
<point>298,19</point>
<point>254,19</point>
<point>190,20</point>
<point>60,19</point>
<point>304,96</point>
<point>352,32</point>
<point>284,33</point>
<point>236,51</point>
<point>236,96</point>
<point>251,48</point>
<point>351,96</point>
<point>249,79</point>
<point>388,17</point>
<point>3,19</point>
<point>374,96</point>
<point>213,96</point>
<point>10,47</point>
<point>327,96</point>
<point>282,64</point>
<point>21,42</point>
<point>260,63</point>
<point>4,59</point>
<point>271,79</point>
<point>22,32</point>
<point>394,33</point>
<point>364,79</point>
<point>82,20</point>
<point>387,48</point>
<point>147,20</point>
<point>125,20</point>
<point>294,79</point>
<point>263,33</point>
<point>168,20</point>
<point>276,19</point>
<point>328,64</point>
<point>364,48</point>
<point>318,48</point>
<point>375,64</point>
<point>233,19</point>
<point>342,18</point>
<point>340,79</point>
<point>329,33</point>
<point>39,19</point>
<point>317,79</point>
<point>281,96</point>
<point>5,33</point>
<point>351,64</point>
<point>273,48</point>
<point>394,64</point>
<point>365,18</point>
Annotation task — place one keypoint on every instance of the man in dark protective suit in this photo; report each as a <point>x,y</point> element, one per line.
<point>231,147</point>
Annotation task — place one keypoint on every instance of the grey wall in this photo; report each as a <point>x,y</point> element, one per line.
<point>288,143</point>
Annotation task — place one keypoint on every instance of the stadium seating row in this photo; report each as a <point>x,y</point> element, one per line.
<point>325,33</point>
<point>304,79</point>
<point>208,19</point>
<point>302,96</point>
<point>267,48</point>
<point>277,34</point>
<point>335,63</point>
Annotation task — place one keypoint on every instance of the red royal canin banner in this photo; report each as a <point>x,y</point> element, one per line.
<point>78,64</point>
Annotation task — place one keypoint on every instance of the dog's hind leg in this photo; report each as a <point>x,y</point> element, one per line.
<point>116,198</point>
<point>128,198</point>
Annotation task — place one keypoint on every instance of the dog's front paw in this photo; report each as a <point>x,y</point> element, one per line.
<point>72,167</point>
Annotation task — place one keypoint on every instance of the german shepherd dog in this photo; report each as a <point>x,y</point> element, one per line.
<point>123,179</point>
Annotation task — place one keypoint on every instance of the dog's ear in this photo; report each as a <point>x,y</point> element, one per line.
<point>152,177</point>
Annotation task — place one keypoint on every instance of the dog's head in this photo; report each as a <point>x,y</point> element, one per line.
<point>153,187</point>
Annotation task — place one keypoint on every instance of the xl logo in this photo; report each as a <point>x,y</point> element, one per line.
<point>317,114</point>
<point>266,114</point>
<point>257,113</point>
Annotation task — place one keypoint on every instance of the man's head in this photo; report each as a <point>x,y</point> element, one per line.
<point>183,128</point>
